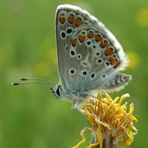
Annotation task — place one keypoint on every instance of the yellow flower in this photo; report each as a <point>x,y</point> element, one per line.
<point>134,60</point>
<point>111,122</point>
<point>142,17</point>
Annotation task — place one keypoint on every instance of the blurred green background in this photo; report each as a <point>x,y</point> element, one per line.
<point>30,116</point>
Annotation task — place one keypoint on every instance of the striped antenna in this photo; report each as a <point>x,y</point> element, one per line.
<point>28,81</point>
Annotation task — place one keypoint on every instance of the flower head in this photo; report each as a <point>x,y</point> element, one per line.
<point>111,121</point>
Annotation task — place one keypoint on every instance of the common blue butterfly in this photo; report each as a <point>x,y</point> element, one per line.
<point>89,56</point>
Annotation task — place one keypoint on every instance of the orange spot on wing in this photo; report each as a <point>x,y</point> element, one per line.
<point>90,35</point>
<point>74,42</point>
<point>62,19</point>
<point>78,22</point>
<point>98,38</point>
<point>118,63</point>
<point>114,62</point>
<point>71,19</point>
<point>81,38</point>
<point>104,43</point>
<point>108,52</point>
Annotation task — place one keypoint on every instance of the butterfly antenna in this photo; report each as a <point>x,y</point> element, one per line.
<point>28,81</point>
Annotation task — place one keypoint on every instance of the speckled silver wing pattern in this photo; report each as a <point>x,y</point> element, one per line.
<point>89,56</point>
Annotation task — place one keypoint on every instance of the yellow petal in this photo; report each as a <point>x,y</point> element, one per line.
<point>82,136</point>
<point>99,136</point>
<point>123,97</point>
<point>131,110</point>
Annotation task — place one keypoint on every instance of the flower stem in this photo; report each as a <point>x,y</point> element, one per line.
<point>108,143</point>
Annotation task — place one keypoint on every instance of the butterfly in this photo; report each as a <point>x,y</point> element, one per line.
<point>89,56</point>
<point>90,59</point>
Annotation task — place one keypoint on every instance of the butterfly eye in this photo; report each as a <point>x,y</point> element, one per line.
<point>57,90</point>
<point>72,71</point>
<point>63,35</point>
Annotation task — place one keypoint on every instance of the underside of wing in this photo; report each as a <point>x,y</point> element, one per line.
<point>88,54</point>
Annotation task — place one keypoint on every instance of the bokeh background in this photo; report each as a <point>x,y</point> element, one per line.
<point>30,116</point>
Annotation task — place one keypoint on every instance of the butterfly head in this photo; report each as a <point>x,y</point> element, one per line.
<point>57,91</point>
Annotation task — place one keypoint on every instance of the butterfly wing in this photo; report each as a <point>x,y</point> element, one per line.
<point>89,56</point>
